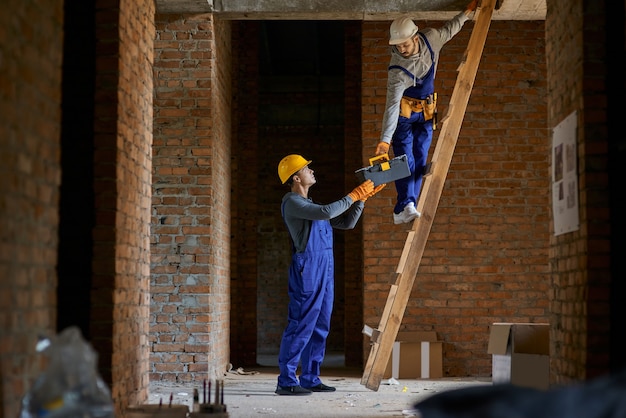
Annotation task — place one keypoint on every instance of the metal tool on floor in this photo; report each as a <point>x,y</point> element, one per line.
<point>157,411</point>
<point>204,408</point>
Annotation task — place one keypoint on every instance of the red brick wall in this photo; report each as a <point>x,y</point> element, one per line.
<point>190,268</point>
<point>123,135</point>
<point>564,60</point>
<point>31,47</point>
<point>486,259</point>
<point>581,275</point>
<point>220,162</point>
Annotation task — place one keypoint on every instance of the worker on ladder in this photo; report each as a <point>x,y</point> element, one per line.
<point>410,111</point>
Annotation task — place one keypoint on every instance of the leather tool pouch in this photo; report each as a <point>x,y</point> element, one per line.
<point>409,105</point>
<point>430,106</point>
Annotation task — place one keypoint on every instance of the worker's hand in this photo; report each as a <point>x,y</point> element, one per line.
<point>382,148</point>
<point>362,190</point>
<point>472,6</point>
<point>376,190</point>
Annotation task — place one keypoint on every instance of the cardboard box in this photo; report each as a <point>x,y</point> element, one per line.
<point>520,354</point>
<point>415,355</point>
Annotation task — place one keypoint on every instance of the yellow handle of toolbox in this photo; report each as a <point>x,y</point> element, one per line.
<point>384,165</point>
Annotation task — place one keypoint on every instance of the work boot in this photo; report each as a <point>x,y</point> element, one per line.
<point>407,215</point>
<point>292,390</point>
<point>322,388</point>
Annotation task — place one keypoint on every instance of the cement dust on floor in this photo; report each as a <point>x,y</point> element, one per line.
<point>250,392</point>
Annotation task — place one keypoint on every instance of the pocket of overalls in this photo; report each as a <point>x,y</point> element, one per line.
<point>309,276</point>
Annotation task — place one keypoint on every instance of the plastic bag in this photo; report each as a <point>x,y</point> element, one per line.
<point>70,387</point>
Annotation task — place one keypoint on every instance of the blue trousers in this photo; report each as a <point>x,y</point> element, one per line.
<point>412,137</point>
<point>311,296</point>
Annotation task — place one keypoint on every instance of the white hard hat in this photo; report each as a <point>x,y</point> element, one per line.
<point>402,29</point>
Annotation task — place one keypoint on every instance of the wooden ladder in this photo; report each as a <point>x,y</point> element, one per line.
<point>383,337</point>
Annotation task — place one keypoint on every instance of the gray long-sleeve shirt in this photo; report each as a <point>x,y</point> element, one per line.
<point>419,64</point>
<point>298,212</point>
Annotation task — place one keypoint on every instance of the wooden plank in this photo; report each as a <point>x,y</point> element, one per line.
<point>375,343</point>
<point>428,201</point>
<point>405,252</point>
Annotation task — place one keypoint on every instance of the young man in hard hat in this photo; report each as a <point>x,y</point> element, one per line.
<point>311,273</point>
<point>411,101</point>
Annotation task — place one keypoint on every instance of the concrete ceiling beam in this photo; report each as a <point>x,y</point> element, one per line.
<point>347,9</point>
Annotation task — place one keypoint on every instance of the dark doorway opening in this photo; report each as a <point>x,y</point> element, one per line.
<point>296,87</point>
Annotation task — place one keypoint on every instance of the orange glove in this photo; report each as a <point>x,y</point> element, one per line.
<point>376,190</point>
<point>471,6</point>
<point>382,148</point>
<point>362,190</point>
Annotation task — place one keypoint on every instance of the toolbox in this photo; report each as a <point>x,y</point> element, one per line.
<point>384,170</point>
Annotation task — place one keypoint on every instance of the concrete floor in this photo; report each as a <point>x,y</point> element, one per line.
<point>250,392</point>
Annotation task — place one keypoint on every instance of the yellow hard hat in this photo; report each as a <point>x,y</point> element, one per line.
<point>290,165</point>
<point>401,30</point>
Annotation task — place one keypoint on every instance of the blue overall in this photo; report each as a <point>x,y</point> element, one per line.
<point>413,136</point>
<point>311,295</point>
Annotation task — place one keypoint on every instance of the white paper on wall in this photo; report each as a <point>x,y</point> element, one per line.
<point>565,176</point>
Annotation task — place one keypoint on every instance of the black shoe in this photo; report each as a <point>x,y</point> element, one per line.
<point>292,390</point>
<point>322,388</point>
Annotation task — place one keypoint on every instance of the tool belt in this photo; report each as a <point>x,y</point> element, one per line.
<point>428,105</point>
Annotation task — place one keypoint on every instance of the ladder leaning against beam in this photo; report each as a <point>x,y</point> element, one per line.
<point>383,337</point>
